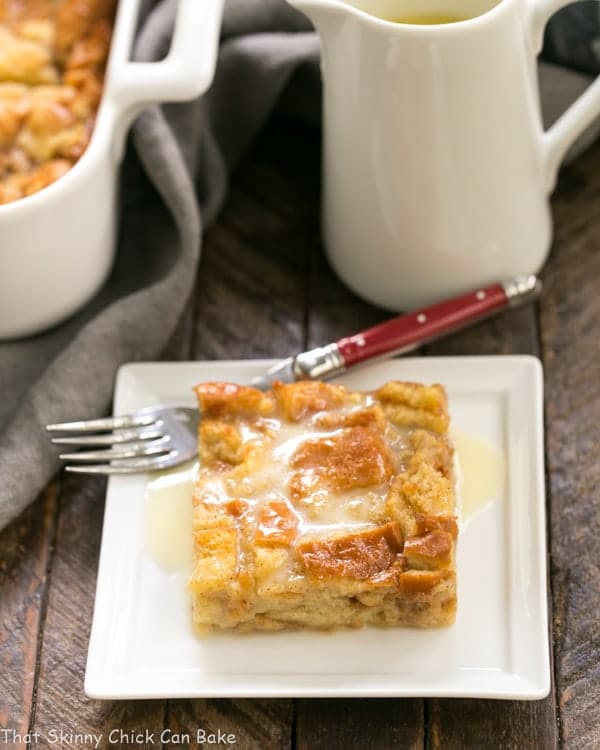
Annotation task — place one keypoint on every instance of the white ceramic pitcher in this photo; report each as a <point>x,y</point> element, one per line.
<point>437,169</point>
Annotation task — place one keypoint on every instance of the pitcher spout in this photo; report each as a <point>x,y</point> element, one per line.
<point>316,6</point>
<point>322,13</point>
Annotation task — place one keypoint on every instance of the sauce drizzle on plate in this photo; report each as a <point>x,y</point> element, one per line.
<point>168,518</point>
<point>482,473</point>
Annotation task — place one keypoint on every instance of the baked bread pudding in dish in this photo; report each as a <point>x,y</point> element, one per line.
<point>320,507</point>
<point>52,59</point>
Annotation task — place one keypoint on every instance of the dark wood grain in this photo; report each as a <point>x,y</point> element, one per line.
<point>374,724</point>
<point>251,295</point>
<point>252,724</point>
<point>334,311</point>
<point>570,335</point>
<point>25,555</point>
<point>247,306</point>
<point>490,725</point>
<point>509,332</point>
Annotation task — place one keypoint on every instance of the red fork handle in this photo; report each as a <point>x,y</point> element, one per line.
<point>406,332</point>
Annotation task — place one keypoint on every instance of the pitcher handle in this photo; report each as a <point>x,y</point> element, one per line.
<point>579,116</point>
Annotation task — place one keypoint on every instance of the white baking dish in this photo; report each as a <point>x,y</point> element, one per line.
<point>57,246</point>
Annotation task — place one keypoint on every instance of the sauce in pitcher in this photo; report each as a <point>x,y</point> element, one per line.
<point>426,20</point>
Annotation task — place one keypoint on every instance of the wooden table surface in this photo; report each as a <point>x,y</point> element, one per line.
<point>264,290</point>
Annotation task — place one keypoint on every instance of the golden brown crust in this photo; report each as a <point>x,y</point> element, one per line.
<point>415,582</point>
<point>52,59</point>
<point>318,508</point>
<point>414,405</point>
<point>429,551</point>
<point>364,555</point>
<point>220,443</point>
<point>429,449</point>
<point>425,524</point>
<point>371,416</point>
<point>356,457</point>
<point>312,397</point>
<point>228,399</point>
<point>277,524</point>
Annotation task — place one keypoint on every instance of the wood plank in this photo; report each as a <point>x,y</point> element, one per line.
<point>249,724</point>
<point>335,311</point>
<point>246,305</point>
<point>251,293</point>
<point>484,723</point>
<point>373,724</point>
<point>489,725</point>
<point>25,554</point>
<point>570,312</point>
<point>513,331</point>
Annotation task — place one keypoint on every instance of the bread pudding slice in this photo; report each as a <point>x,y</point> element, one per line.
<point>320,507</point>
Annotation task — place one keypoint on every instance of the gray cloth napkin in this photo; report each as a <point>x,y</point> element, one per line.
<point>187,151</point>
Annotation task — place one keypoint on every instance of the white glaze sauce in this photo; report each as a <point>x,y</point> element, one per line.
<point>482,473</point>
<point>168,517</point>
<point>168,513</point>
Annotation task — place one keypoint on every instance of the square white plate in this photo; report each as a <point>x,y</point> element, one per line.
<point>142,645</point>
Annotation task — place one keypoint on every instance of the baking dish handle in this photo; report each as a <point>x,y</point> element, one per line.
<point>187,70</point>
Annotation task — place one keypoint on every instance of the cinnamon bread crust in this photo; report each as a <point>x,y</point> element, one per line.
<point>320,507</point>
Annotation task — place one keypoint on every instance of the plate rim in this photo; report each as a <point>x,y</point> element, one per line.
<point>105,686</point>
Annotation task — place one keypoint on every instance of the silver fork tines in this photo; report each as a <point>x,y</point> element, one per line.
<point>129,450</point>
<point>109,423</point>
<point>112,438</point>
<point>149,440</point>
<point>136,466</point>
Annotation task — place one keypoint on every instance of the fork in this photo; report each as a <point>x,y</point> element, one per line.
<point>151,439</point>
<point>161,437</point>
